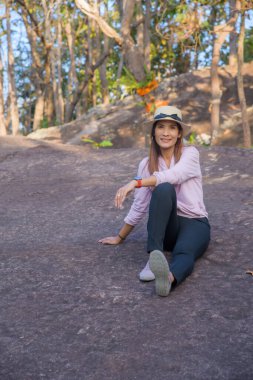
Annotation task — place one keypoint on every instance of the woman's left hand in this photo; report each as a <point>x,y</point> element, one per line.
<point>123,192</point>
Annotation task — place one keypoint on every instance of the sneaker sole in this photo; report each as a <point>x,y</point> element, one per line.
<point>160,268</point>
<point>144,278</point>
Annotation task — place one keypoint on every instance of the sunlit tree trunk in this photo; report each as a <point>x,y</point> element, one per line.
<point>147,46</point>
<point>220,34</point>
<point>39,109</point>
<point>240,87</point>
<point>3,130</point>
<point>140,27</point>
<point>58,95</point>
<point>37,77</point>
<point>233,40</point>
<point>8,115</point>
<point>12,86</point>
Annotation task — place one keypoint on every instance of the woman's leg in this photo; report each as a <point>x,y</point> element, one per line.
<point>163,221</point>
<point>192,241</point>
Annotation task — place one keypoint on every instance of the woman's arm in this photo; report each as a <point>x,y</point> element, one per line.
<point>125,190</point>
<point>119,199</point>
<point>139,203</point>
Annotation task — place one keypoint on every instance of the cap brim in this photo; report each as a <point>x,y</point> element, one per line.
<point>186,128</point>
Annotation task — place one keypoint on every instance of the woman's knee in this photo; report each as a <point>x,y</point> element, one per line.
<point>164,190</point>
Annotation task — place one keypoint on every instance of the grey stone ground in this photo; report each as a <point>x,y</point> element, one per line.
<point>73,309</point>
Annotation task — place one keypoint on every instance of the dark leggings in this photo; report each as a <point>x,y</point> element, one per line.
<point>186,238</point>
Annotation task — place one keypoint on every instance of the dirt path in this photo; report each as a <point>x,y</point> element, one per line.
<point>73,309</point>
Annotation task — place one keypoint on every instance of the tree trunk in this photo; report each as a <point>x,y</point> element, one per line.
<point>147,47</point>
<point>49,110</point>
<point>36,77</point>
<point>91,58</point>
<point>215,88</point>
<point>220,34</point>
<point>72,78</point>
<point>39,110</point>
<point>102,68</point>
<point>12,86</point>
<point>8,115</point>
<point>233,40</point>
<point>3,130</point>
<point>49,97</point>
<point>132,55</point>
<point>57,88</point>
<point>140,27</point>
<point>240,87</point>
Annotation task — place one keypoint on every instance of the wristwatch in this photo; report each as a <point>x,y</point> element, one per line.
<point>139,184</point>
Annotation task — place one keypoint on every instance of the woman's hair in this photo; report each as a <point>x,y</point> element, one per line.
<point>155,151</point>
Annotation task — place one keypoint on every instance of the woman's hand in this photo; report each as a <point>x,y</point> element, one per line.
<point>123,192</point>
<point>111,240</point>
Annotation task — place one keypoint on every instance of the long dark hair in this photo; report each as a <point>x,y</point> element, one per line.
<point>155,151</point>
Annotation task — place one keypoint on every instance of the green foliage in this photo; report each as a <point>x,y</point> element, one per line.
<point>97,145</point>
<point>192,138</point>
<point>127,80</point>
<point>248,45</point>
<point>44,123</point>
<point>175,48</point>
<point>130,84</point>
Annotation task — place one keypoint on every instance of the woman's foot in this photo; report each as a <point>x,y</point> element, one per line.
<point>159,266</point>
<point>146,274</point>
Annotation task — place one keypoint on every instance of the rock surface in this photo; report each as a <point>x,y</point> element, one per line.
<point>73,309</point>
<point>125,123</point>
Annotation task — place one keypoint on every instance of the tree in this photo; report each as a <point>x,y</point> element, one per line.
<point>220,33</point>
<point>56,68</point>
<point>73,57</point>
<point>233,39</point>
<point>3,131</point>
<point>131,52</point>
<point>240,87</point>
<point>39,36</point>
<point>12,86</point>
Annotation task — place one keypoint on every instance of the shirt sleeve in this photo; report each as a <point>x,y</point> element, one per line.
<point>142,198</point>
<point>187,167</point>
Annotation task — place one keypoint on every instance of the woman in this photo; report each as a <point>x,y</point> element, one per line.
<point>169,187</point>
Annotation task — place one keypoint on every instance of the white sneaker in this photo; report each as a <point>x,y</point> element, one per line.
<point>146,274</point>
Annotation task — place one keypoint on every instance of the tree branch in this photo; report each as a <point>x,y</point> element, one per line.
<point>92,12</point>
<point>90,72</point>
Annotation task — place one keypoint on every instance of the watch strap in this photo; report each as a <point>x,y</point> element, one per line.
<point>139,182</point>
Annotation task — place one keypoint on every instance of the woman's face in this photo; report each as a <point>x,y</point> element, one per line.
<point>166,133</point>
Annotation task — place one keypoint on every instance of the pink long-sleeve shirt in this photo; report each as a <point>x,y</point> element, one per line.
<point>186,177</point>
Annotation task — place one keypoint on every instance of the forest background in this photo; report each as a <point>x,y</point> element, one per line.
<point>60,58</point>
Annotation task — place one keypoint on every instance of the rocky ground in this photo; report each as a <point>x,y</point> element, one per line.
<point>126,122</point>
<point>73,309</point>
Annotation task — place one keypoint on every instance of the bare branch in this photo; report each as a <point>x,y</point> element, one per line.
<point>93,13</point>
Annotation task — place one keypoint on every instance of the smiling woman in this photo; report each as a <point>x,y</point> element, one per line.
<point>169,187</point>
